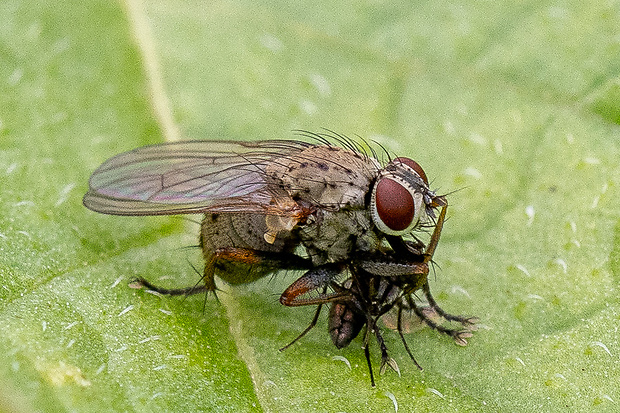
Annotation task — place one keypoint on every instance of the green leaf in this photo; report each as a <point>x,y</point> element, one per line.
<point>512,105</point>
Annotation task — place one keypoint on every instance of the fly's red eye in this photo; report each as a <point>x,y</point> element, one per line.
<point>413,165</point>
<point>394,204</point>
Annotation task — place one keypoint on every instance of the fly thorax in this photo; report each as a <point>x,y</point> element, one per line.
<point>325,176</point>
<point>335,236</point>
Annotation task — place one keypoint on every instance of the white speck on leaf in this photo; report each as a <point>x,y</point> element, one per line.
<point>448,127</point>
<point>601,345</point>
<point>562,264</point>
<point>473,172</point>
<point>64,194</point>
<point>308,107</point>
<point>321,84</point>
<point>11,168</point>
<point>115,283</point>
<point>573,226</point>
<point>557,12</point>
<point>435,391</point>
<point>69,326</point>
<point>459,289</point>
<point>152,338</point>
<point>15,77</point>
<point>343,359</point>
<point>478,139</point>
<point>499,149</point>
<point>127,309</point>
<point>523,269</point>
<point>391,396</point>
<point>531,213</point>
<point>271,42</point>
<point>26,234</point>
<point>155,293</point>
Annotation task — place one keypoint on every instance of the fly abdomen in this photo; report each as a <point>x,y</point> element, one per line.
<point>239,231</point>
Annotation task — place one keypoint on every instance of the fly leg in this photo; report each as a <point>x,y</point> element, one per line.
<point>265,259</point>
<point>386,360</point>
<point>465,321</point>
<point>313,280</point>
<point>218,261</point>
<point>468,322</point>
<point>367,354</point>
<point>390,267</point>
<point>460,336</point>
<point>195,289</point>
<point>310,326</point>
<point>421,282</point>
<point>399,327</point>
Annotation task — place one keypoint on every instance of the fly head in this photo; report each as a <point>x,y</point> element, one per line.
<point>401,200</point>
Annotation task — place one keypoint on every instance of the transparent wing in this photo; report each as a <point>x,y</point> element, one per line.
<point>191,177</point>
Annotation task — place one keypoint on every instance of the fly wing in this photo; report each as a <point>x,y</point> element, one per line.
<point>192,177</point>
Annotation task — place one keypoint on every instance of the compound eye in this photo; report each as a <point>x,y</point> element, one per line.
<point>395,205</point>
<point>413,165</point>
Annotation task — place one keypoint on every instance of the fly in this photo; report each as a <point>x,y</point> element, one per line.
<point>354,218</point>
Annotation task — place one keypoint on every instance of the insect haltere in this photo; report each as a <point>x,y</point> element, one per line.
<point>354,218</point>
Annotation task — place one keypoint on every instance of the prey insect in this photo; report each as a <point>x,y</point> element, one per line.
<point>325,206</point>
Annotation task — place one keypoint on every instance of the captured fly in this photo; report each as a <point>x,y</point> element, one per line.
<point>335,212</point>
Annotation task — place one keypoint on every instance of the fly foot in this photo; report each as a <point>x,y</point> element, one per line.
<point>389,362</point>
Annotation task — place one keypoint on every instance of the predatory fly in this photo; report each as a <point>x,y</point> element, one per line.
<point>325,206</point>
